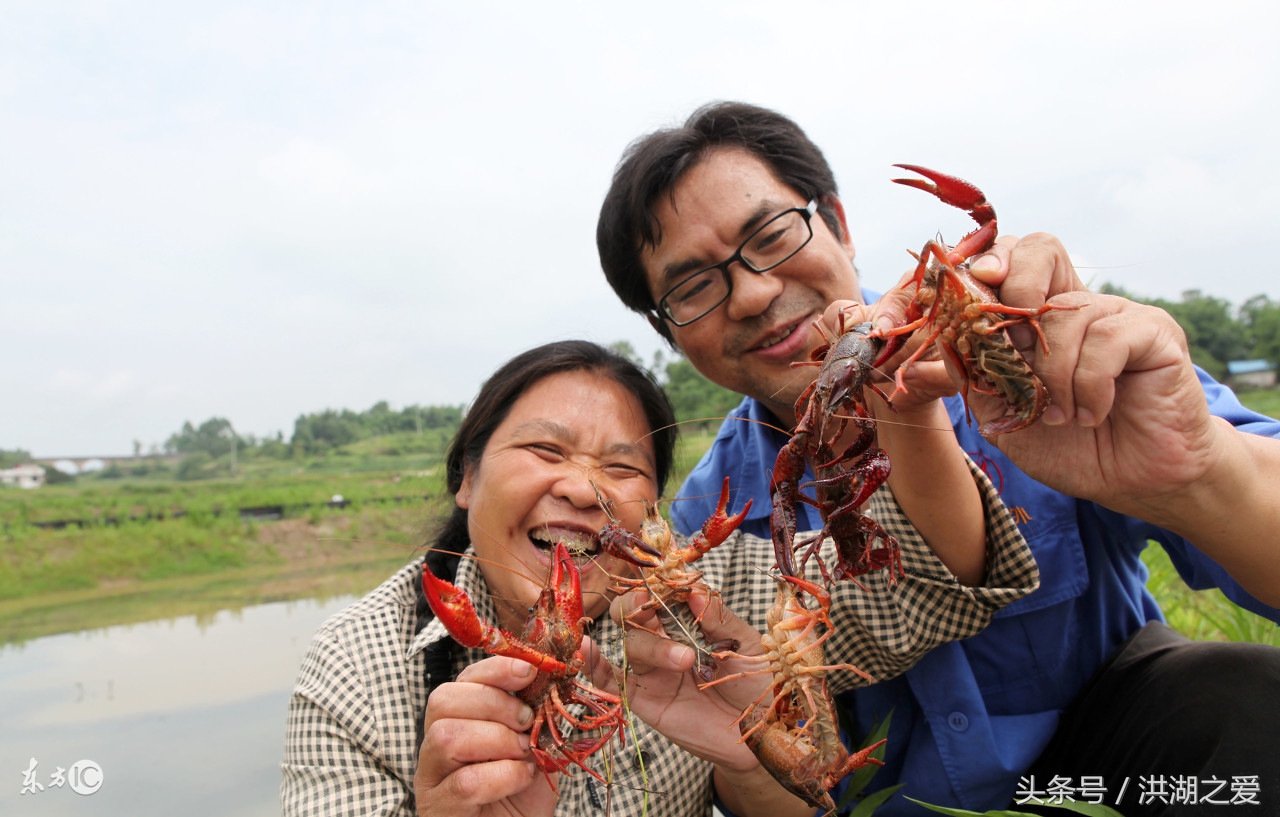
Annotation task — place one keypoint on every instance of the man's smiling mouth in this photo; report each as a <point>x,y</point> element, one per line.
<point>779,338</point>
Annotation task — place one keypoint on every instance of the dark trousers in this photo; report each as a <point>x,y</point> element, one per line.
<point>1176,719</point>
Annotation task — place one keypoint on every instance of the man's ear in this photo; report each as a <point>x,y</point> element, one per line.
<point>837,207</point>
<point>660,326</point>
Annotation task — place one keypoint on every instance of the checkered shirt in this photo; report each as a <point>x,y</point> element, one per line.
<point>355,711</point>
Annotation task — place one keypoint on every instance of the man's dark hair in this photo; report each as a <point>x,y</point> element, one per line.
<point>653,164</point>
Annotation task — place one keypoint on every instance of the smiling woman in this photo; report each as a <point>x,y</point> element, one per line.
<point>390,716</point>
<point>546,430</point>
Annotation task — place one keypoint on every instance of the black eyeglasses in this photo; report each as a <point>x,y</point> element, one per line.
<point>774,242</point>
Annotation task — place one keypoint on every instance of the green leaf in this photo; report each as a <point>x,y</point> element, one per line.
<point>872,801</point>
<point>862,777</point>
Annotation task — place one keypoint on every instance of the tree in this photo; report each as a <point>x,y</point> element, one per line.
<point>694,397</point>
<point>12,457</point>
<point>1214,336</point>
<point>624,348</point>
<point>193,465</point>
<point>1262,317</point>
<point>212,437</point>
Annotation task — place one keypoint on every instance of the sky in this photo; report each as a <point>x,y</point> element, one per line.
<point>257,210</point>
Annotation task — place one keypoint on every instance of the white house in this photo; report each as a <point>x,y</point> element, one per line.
<point>1257,373</point>
<point>27,475</point>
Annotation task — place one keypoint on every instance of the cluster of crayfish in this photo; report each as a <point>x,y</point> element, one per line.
<point>792,726</point>
<point>552,636</point>
<point>794,735</point>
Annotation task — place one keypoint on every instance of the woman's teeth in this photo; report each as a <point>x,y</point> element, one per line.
<point>577,543</point>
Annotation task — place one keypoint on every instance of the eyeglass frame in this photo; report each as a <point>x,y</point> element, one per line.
<point>663,312</point>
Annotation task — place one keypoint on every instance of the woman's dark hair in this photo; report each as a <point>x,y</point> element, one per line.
<point>652,165</point>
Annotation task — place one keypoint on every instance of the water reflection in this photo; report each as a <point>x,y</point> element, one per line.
<point>182,715</point>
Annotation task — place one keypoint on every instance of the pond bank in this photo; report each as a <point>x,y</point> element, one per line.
<point>336,555</point>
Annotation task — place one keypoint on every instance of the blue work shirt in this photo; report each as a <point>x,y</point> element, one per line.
<point>973,715</point>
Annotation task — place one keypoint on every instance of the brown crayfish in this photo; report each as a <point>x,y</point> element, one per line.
<point>667,575</point>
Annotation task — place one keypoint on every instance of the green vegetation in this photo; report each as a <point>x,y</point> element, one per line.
<point>1263,401</point>
<point>1205,615</point>
<point>1214,334</point>
<point>17,456</point>
<point>163,535</point>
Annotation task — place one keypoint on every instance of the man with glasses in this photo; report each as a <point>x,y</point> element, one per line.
<point>708,231</point>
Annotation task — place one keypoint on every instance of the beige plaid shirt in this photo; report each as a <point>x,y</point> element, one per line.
<point>353,719</point>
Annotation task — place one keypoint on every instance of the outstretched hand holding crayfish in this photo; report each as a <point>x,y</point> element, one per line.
<point>1125,423</point>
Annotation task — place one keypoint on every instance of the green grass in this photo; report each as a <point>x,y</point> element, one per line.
<point>99,574</point>
<point>101,499</point>
<point>1263,401</point>
<point>74,578</point>
<point>1204,615</point>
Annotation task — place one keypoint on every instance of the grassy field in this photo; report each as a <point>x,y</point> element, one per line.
<point>101,573</point>
<point>1263,401</point>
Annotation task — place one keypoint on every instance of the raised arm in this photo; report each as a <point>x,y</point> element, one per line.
<point>1130,427</point>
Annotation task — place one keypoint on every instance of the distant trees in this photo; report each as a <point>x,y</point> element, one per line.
<point>12,457</point>
<point>1215,335</point>
<point>1261,317</point>
<point>329,429</point>
<point>213,437</point>
<point>314,434</point>
<point>693,397</point>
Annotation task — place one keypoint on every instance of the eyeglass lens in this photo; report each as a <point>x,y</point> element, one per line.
<point>777,240</point>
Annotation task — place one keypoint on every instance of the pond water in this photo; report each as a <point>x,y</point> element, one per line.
<point>181,716</point>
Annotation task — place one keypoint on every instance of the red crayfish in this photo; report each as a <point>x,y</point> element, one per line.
<point>551,642</point>
<point>963,315</point>
<point>666,572</point>
<point>843,481</point>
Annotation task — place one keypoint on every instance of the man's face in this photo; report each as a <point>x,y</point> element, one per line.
<point>748,343</point>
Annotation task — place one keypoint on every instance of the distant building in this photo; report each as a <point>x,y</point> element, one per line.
<point>1257,374</point>
<point>27,475</point>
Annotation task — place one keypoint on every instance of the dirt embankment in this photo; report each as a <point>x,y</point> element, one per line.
<point>336,554</point>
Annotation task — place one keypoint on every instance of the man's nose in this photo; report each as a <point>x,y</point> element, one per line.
<point>752,292</point>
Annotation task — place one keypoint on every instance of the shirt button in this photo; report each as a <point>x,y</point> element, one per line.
<point>958,721</point>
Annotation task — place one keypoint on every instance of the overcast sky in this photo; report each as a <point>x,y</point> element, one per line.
<point>255,210</point>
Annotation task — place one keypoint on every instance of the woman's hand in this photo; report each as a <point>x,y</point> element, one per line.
<point>663,693</point>
<point>475,757</point>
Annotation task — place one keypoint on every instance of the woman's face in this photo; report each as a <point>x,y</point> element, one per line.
<point>533,487</point>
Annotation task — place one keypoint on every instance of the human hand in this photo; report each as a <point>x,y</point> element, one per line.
<point>475,757</point>
<point>661,690</point>
<point>1128,426</point>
